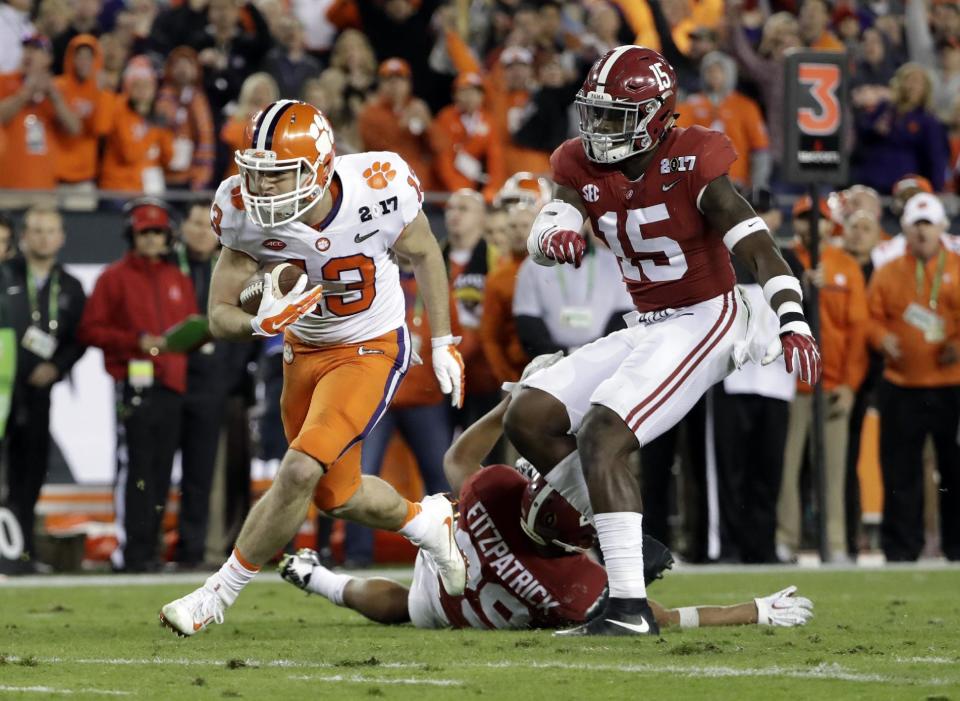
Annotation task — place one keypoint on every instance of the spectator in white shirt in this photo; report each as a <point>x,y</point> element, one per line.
<point>14,26</point>
<point>563,308</point>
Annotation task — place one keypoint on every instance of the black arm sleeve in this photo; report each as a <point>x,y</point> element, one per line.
<point>535,337</point>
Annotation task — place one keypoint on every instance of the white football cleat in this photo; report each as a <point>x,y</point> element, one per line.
<point>440,544</point>
<point>297,569</point>
<point>194,612</point>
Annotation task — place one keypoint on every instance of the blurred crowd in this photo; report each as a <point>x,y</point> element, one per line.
<point>145,96</point>
<point>142,97</point>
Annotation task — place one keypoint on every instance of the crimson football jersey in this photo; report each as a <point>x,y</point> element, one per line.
<point>668,253</point>
<point>510,585</point>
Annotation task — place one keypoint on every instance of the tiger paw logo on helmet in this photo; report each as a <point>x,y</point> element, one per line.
<point>320,131</point>
<point>379,175</point>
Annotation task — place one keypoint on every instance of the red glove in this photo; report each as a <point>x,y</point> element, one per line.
<point>564,246</point>
<point>801,352</point>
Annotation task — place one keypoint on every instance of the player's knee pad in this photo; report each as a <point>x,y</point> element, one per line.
<point>327,437</point>
<point>340,482</point>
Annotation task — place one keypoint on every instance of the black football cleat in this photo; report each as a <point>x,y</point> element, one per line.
<point>657,559</point>
<point>620,617</point>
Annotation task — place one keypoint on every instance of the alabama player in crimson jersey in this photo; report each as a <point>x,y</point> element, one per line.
<point>660,198</point>
<point>526,567</point>
<point>346,347</point>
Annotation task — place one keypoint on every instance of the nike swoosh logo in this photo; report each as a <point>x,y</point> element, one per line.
<point>368,351</point>
<point>198,626</point>
<point>360,239</point>
<point>756,223</point>
<point>448,522</point>
<point>670,185</point>
<point>645,628</point>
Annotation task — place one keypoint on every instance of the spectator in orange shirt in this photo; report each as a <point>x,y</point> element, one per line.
<point>396,121</point>
<point>32,112</point>
<point>470,259</point>
<point>498,330</point>
<point>722,108</point>
<point>419,412</point>
<point>915,322</point>
<point>138,146</point>
<point>843,329</point>
<point>78,157</point>
<point>466,146</point>
<point>814,20</point>
<point>258,91</point>
<point>184,108</point>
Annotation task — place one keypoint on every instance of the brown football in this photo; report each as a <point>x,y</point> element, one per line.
<point>285,276</point>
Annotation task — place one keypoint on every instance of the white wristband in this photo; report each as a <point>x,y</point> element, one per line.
<point>742,230</point>
<point>689,617</point>
<point>779,283</point>
<point>443,341</point>
<point>788,307</point>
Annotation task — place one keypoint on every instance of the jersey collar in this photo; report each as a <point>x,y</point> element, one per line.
<point>336,190</point>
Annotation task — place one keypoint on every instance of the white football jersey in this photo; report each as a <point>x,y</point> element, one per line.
<point>376,196</point>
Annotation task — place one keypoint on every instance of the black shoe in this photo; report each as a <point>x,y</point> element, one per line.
<point>620,617</point>
<point>657,558</point>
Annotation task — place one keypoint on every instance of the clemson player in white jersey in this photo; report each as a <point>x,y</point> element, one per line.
<point>346,348</point>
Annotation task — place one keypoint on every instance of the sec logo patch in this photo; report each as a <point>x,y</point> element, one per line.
<point>287,353</point>
<point>591,193</point>
<point>323,244</point>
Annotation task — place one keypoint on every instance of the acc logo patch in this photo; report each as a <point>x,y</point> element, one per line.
<point>323,244</point>
<point>274,244</point>
<point>591,193</point>
<point>287,353</point>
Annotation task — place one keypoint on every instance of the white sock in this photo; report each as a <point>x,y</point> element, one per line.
<point>327,584</point>
<point>567,478</point>
<point>230,579</point>
<point>621,540</point>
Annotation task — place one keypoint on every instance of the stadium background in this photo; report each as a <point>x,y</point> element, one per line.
<point>529,58</point>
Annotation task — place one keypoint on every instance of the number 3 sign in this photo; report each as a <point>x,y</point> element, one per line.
<point>815,144</point>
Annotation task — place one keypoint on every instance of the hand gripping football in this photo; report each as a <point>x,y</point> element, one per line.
<point>285,276</point>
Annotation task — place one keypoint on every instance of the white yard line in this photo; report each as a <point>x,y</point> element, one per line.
<point>365,679</point>
<point>55,690</point>
<point>807,564</point>
<point>830,671</point>
<point>928,660</point>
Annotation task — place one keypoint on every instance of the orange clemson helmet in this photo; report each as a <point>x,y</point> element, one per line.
<point>288,162</point>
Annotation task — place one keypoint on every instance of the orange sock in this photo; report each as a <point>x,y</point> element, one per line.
<point>413,508</point>
<point>247,565</point>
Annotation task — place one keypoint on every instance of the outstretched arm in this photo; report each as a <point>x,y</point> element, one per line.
<point>746,235</point>
<point>464,457</point>
<point>779,609</point>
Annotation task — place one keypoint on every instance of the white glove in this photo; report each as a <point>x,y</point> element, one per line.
<point>784,609</point>
<point>277,313</point>
<point>448,367</point>
<point>542,361</point>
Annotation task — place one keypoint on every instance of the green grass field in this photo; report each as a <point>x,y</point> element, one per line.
<point>876,635</point>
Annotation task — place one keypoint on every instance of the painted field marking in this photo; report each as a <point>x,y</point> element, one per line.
<point>830,671</point>
<point>55,690</point>
<point>364,679</point>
